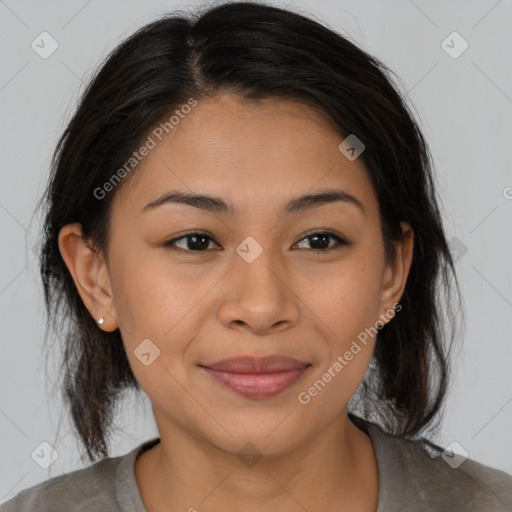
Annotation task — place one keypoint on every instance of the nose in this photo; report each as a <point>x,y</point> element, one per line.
<point>259,296</point>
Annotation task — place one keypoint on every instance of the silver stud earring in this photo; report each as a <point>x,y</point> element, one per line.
<point>100,321</point>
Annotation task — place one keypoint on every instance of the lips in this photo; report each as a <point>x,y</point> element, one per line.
<point>248,364</point>
<point>257,377</point>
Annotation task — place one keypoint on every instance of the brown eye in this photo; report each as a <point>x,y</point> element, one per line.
<point>320,241</point>
<point>195,242</point>
<point>199,242</point>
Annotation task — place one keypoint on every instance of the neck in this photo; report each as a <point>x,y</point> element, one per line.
<point>335,470</point>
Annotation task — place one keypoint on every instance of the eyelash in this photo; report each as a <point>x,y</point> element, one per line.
<point>340,242</point>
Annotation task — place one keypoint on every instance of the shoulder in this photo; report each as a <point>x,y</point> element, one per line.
<point>434,477</point>
<point>419,476</point>
<point>91,488</point>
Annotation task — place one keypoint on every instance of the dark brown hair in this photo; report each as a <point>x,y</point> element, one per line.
<point>254,51</point>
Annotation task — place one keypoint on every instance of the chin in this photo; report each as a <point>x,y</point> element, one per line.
<point>263,434</point>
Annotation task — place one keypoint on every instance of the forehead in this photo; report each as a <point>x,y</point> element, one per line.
<point>252,153</point>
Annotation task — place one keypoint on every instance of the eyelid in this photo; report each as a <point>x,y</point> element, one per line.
<point>172,245</point>
<point>341,240</point>
<point>325,231</point>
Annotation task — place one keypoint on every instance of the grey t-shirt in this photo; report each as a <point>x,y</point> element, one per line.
<point>411,479</point>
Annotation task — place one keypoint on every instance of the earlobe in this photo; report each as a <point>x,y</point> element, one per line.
<point>396,273</point>
<point>90,275</point>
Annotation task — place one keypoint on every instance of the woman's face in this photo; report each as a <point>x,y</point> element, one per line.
<point>254,285</point>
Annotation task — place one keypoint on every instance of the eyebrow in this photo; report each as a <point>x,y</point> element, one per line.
<point>219,205</point>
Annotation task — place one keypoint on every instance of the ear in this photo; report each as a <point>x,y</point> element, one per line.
<point>90,274</point>
<point>395,275</point>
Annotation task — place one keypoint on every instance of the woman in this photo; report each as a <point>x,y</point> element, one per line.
<point>242,223</point>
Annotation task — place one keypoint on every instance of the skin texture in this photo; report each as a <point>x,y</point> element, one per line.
<point>203,306</point>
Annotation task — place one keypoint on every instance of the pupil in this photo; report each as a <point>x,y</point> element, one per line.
<point>198,246</point>
<point>324,238</point>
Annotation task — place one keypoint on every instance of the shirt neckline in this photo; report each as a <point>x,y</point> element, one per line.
<point>127,491</point>
<point>130,500</point>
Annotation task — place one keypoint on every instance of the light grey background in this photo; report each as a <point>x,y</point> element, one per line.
<point>464,106</point>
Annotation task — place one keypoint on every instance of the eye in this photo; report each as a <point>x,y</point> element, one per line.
<point>321,240</point>
<point>199,242</point>
<point>195,242</point>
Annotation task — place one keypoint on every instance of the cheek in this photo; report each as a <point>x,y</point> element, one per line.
<point>151,297</point>
<point>347,299</point>
<point>163,304</point>
<point>152,310</point>
<point>346,305</point>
